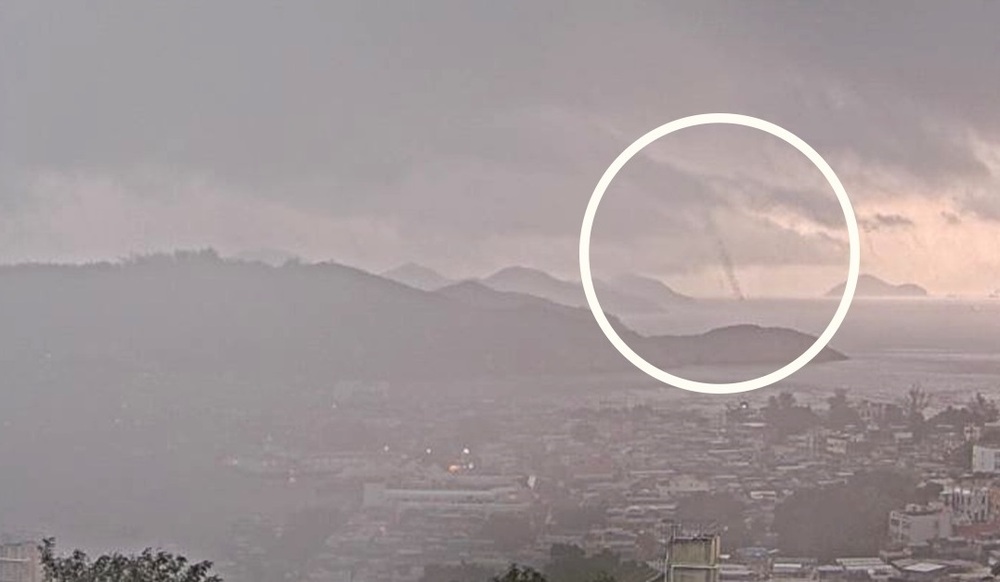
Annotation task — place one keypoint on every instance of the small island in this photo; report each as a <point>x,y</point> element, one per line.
<point>872,286</point>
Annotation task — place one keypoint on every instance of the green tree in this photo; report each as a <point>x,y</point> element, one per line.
<point>961,456</point>
<point>787,417</point>
<point>517,573</point>
<point>843,520</point>
<point>463,572</point>
<point>149,566</point>
<point>915,403</point>
<point>953,417</point>
<point>983,409</point>
<point>841,412</point>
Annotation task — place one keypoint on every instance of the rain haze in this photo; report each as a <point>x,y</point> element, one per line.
<point>295,288</point>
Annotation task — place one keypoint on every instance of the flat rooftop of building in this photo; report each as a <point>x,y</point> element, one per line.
<point>924,567</point>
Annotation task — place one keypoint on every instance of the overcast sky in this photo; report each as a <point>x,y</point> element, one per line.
<point>469,135</point>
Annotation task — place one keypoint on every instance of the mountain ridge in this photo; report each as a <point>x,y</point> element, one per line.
<point>622,295</point>
<point>318,322</point>
<point>417,276</point>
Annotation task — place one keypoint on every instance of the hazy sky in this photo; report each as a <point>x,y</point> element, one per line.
<point>469,135</point>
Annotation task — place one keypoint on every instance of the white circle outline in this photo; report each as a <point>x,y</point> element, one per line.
<point>853,270</point>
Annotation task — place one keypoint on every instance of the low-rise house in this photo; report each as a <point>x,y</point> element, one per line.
<point>919,524</point>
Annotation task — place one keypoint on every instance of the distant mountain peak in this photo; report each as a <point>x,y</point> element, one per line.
<point>530,281</point>
<point>268,256</point>
<point>527,273</point>
<point>635,294</point>
<point>476,293</point>
<point>872,286</point>
<point>650,289</point>
<point>417,276</point>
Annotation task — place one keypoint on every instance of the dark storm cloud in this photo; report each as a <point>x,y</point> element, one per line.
<point>880,221</point>
<point>898,83</point>
<point>985,205</point>
<point>816,206</point>
<point>463,121</point>
<point>951,218</point>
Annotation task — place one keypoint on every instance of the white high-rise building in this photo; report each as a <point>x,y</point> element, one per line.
<point>968,503</point>
<point>20,562</point>
<point>985,459</point>
<point>693,559</point>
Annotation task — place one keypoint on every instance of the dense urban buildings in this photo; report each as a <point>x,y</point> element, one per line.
<point>834,489</point>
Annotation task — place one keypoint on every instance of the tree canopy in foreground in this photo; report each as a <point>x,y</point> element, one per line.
<point>148,566</point>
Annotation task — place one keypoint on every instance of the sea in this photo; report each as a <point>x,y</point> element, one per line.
<point>948,347</point>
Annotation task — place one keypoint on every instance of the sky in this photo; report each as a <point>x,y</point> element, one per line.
<point>468,136</point>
